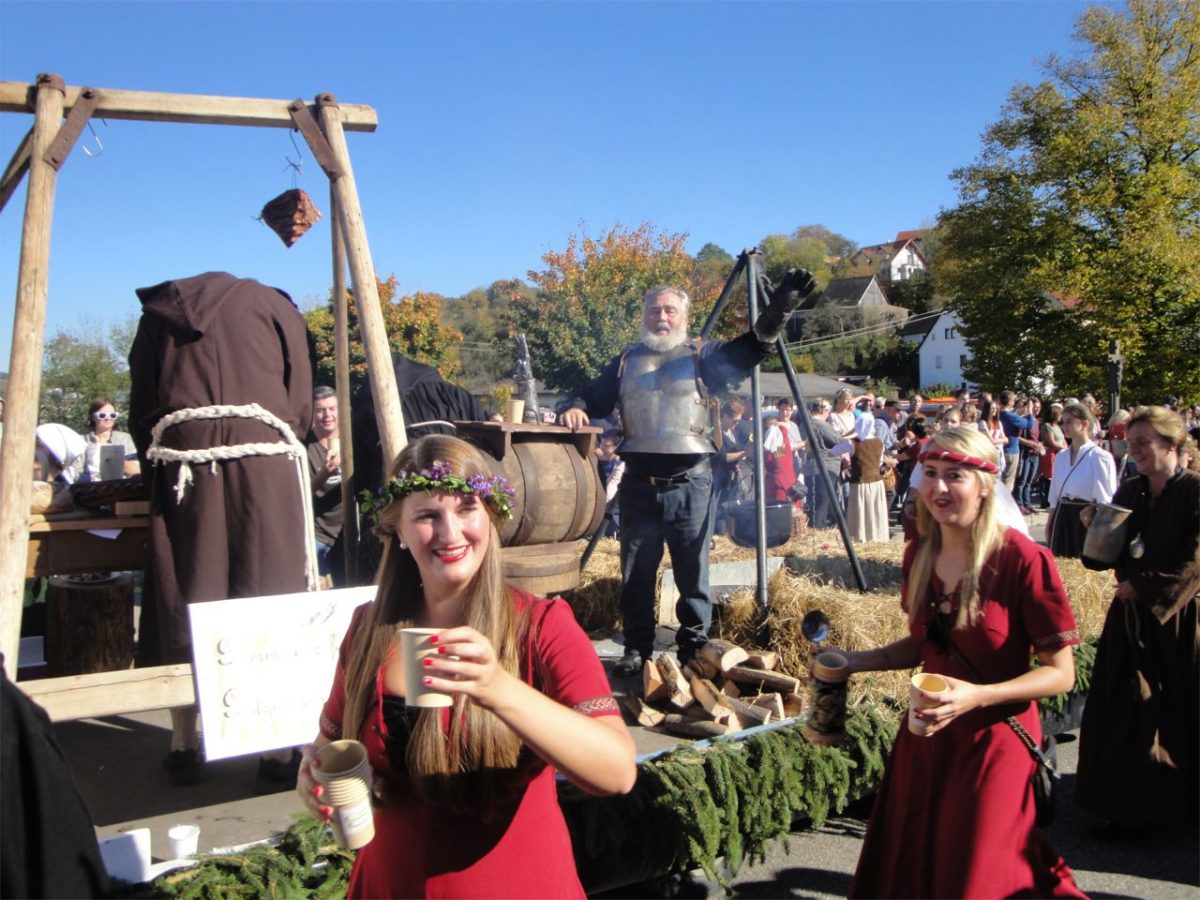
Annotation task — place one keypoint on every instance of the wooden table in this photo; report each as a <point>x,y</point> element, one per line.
<point>63,544</point>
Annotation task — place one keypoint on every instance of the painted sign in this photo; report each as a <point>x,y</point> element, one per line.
<point>264,666</point>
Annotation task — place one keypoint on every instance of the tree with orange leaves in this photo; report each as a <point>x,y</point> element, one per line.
<point>588,301</point>
<point>413,325</point>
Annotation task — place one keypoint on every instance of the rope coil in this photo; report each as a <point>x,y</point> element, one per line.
<point>289,446</point>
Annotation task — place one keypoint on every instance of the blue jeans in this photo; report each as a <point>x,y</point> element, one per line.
<point>682,516</point>
<point>323,552</point>
<point>1026,475</point>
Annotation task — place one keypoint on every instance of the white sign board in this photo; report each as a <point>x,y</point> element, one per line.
<point>264,666</point>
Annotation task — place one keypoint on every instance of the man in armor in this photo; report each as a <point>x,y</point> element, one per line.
<point>664,388</point>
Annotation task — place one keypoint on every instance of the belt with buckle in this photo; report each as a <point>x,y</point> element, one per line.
<point>679,478</point>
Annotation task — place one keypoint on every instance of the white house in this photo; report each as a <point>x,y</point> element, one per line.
<point>943,354</point>
<point>897,260</point>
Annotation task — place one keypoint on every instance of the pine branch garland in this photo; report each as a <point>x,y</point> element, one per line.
<point>712,806</point>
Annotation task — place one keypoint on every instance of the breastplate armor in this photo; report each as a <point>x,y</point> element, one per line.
<point>662,410</point>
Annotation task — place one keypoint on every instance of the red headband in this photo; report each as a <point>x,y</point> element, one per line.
<point>932,451</point>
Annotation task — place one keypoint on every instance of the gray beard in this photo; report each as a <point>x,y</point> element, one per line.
<point>661,343</point>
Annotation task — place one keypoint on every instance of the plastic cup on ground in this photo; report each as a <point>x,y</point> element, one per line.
<point>516,411</point>
<point>929,684</point>
<point>414,647</point>
<point>345,774</point>
<point>184,839</point>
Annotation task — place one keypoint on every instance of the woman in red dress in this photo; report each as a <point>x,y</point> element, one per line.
<point>955,813</point>
<point>467,804</point>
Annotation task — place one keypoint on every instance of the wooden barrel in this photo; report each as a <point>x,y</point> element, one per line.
<point>554,473</point>
<point>89,625</point>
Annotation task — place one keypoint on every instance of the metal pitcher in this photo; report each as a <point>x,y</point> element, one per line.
<point>1106,534</point>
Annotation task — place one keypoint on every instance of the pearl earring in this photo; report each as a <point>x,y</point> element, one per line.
<point>403,546</point>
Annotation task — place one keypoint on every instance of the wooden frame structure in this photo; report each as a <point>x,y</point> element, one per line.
<point>41,154</point>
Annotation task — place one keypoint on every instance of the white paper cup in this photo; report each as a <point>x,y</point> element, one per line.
<point>516,411</point>
<point>185,840</point>
<point>929,684</point>
<point>414,647</point>
<point>345,774</point>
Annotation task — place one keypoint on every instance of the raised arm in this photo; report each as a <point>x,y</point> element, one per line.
<point>594,753</point>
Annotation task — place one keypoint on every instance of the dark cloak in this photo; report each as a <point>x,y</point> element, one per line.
<point>239,531</point>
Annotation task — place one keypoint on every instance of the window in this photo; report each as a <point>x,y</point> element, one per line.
<point>951,333</point>
<point>937,362</point>
<point>962,361</point>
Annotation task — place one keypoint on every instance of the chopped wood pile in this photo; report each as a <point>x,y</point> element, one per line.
<point>724,688</point>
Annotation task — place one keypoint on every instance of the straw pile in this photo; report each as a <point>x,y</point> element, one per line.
<point>818,576</point>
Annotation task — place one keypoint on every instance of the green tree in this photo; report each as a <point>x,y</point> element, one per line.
<point>487,320</point>
<point>710,252</point>
<point>588,301</point>
<point>836,245</point>
<point>1088,187</point>
<point>81,364</point>
<point>782,252</point>
<point>413,326</point>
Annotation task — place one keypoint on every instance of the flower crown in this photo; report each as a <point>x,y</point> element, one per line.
<point>492,489</point>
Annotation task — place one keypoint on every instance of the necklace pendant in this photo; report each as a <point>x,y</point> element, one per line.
<point>944,607</point>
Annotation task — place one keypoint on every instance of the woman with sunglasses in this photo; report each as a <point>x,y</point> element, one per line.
<point>955,814</point>
<point>101,430</point>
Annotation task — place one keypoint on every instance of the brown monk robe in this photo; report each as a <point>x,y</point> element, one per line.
<point>238,531</point>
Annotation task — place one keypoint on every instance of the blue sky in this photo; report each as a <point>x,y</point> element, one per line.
<point>505,126</point>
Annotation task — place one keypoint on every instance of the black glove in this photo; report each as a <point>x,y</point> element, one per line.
<point>796,285</point>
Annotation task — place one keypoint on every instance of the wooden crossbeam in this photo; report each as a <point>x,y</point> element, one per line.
<point>197,109</point>
<point>112,693</point>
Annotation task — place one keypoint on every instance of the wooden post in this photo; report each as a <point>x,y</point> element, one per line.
<point>341,366</point>
<point>388,413</point>
<point>25,369</point>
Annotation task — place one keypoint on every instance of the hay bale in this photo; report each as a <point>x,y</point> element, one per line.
<point>817,575</point>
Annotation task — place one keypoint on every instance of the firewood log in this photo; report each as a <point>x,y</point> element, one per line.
<point>772,702</point>
<point>676,724</point>
<point>706,694</point>
<point>730,688</point>
<point>747,714</point>
<point>762,659</point>
<point>762,679</point>
<point>700,714</point>
<point>701,668</point>
<point>723,654</point>
<point>679,693</point>
<point>653,688</point>
<point>641,714</point>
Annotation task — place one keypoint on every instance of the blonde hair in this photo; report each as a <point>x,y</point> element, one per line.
<point>478,744</point>
<point>1166,423</point>
<point>987,534</point>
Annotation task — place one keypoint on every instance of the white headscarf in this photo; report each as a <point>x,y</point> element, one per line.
<point>772,434</point>
<point>66,446</point>
<point>864,427</point>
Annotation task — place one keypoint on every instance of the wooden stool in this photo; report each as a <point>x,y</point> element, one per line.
<point>89,625</point>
